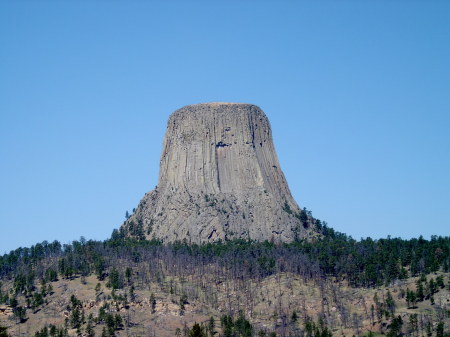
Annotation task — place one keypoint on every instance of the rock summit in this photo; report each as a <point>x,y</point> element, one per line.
<point>219,179</point>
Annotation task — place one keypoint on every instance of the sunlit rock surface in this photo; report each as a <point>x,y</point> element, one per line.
<point>219,179</point>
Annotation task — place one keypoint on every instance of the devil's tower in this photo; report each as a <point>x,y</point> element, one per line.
<point>219,179</point>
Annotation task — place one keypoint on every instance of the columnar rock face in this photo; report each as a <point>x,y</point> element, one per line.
<point>219,179</point>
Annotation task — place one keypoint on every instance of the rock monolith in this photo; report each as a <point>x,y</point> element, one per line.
<point>219,179</point>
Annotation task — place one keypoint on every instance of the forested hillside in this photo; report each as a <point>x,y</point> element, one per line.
<point>332,286</point>
<point>362,263</point>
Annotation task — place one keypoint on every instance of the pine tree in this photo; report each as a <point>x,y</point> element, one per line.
<point>413,323</point>
<point>90,330</point>
<point>390,303</point>
<point>153,303</point>
<point>440,330</point>
<point>433,287</point>
<point>419,291</point>
<point>211,326</point>
<point>3,332</point>
<point>197,331</point>
<point>410,298</point>
<point>395,327</point>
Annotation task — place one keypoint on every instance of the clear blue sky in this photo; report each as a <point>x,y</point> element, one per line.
<point>357,92</point>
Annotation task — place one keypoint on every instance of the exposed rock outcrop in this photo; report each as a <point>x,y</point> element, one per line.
<point>219,179</point>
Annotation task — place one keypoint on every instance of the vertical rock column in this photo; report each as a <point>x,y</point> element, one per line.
<point>219,179</point>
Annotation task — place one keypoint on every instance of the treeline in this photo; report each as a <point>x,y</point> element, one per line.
<point>365,263</point>
<point>126,264</point>
<point>371,262</point>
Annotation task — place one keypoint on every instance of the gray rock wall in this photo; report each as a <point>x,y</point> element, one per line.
<point>219,179</point>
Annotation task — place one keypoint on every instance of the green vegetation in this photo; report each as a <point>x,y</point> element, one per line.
<point>197,331</point>
<point>236,328</point>
<point>395,328</point>
<point>318,329</point>
<point>115,280</point>
<point>3,332</point>
<point>365,263</point>
<point>52,331</point>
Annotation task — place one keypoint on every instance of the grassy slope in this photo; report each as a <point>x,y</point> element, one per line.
<point>268,303</point>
